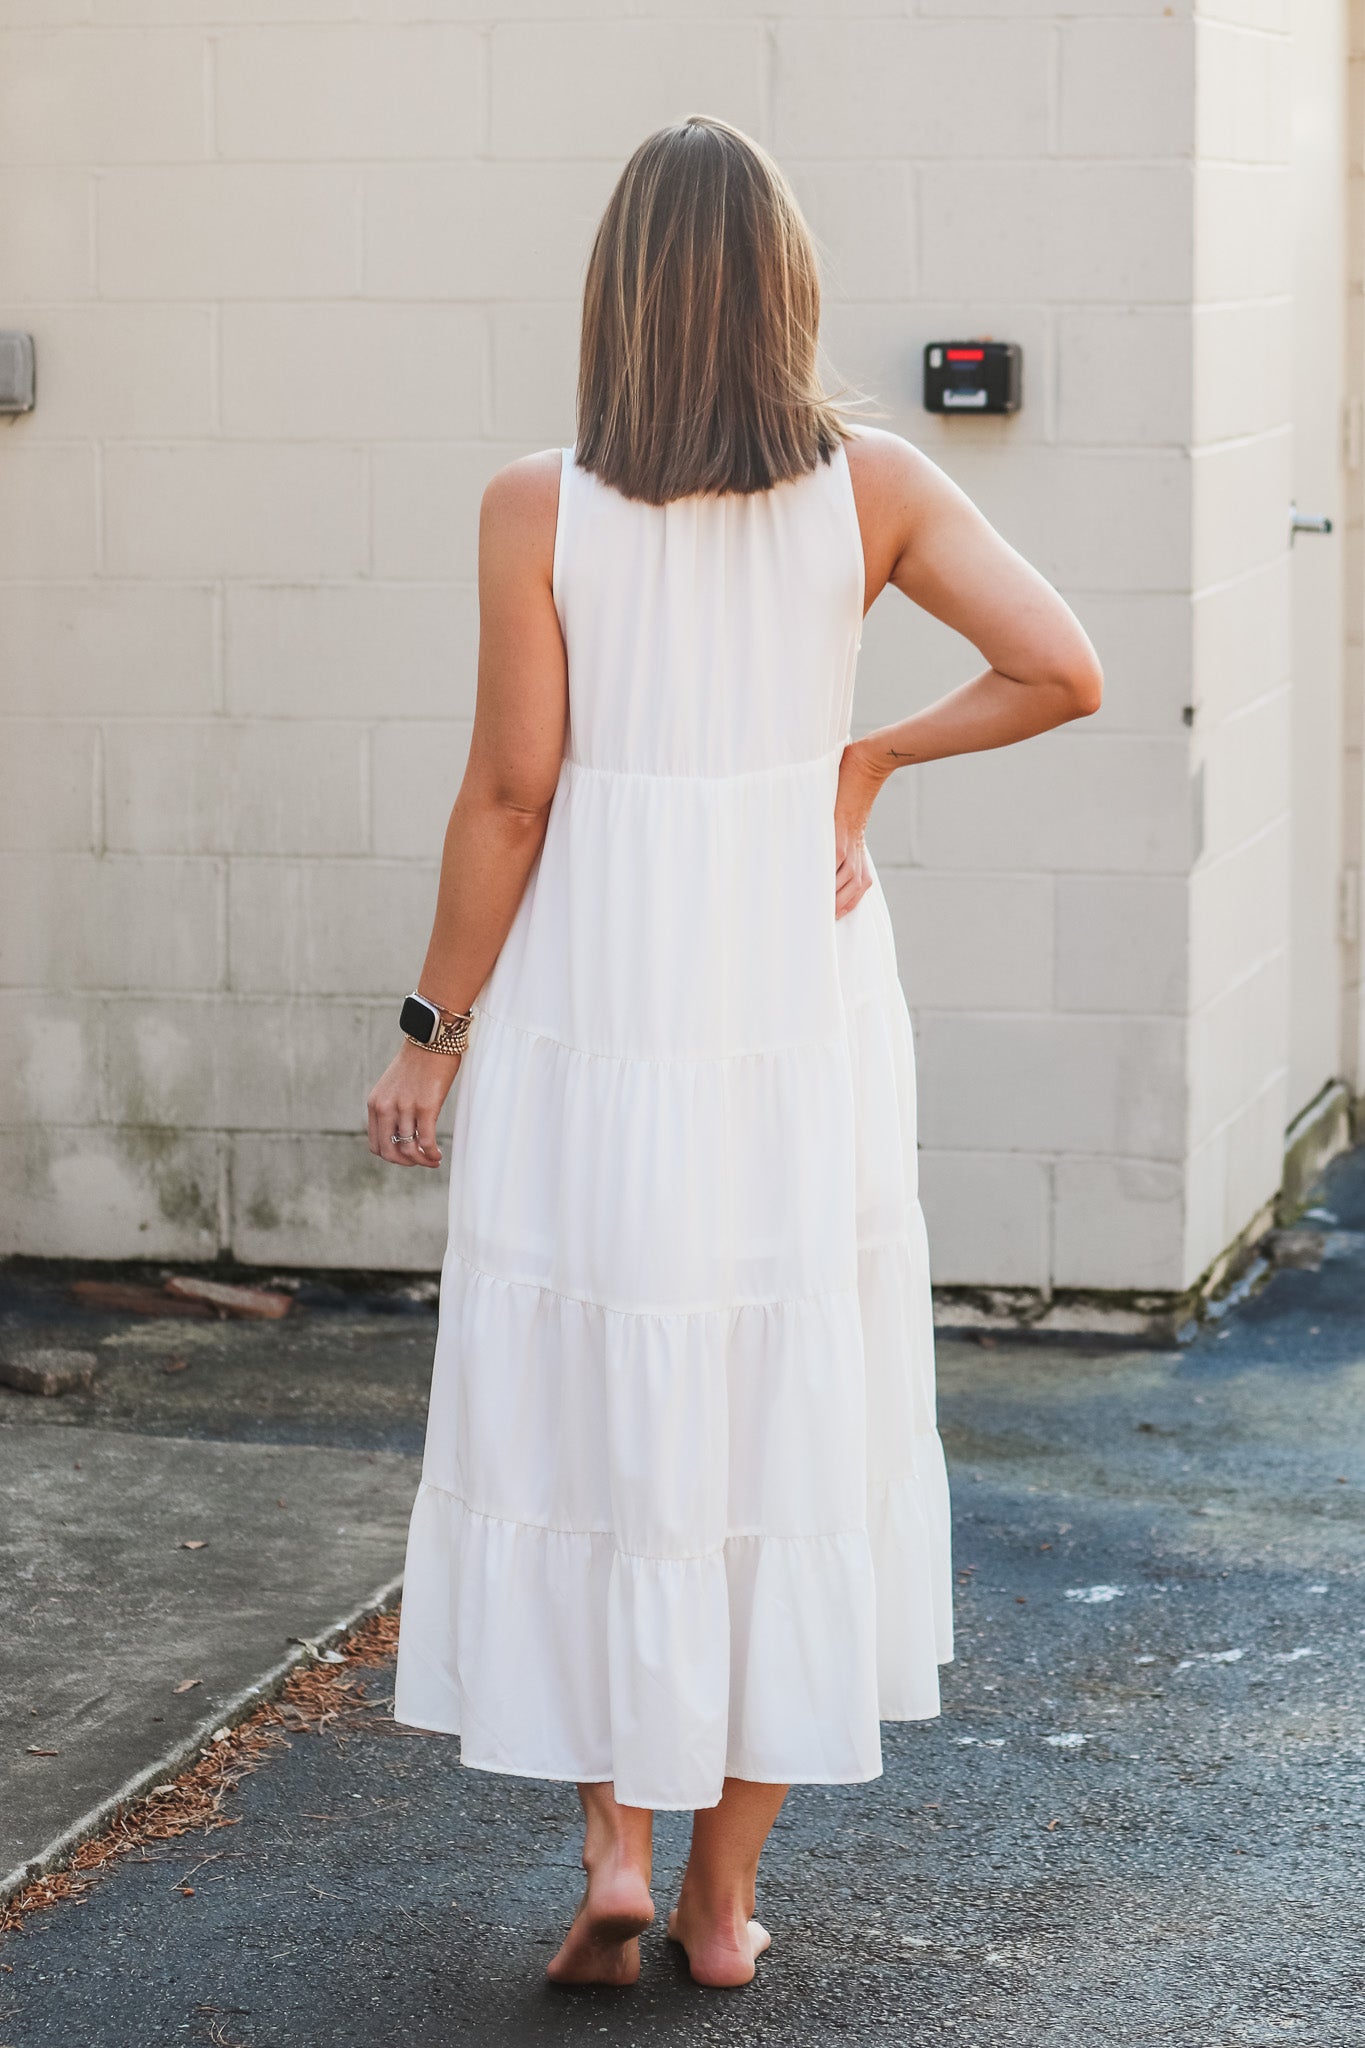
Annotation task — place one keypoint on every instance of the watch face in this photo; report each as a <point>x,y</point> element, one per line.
<point>418,1019</point>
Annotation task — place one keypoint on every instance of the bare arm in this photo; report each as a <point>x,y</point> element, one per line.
<point>922,535</point>
<point>498,821</point>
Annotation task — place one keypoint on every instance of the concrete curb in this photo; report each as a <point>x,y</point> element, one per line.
<point>178,1758</point>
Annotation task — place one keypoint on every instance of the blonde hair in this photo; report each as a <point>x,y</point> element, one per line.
<point>701,315</point>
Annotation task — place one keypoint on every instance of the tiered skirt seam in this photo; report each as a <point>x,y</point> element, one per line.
<point>805,765</point>
<point>828,1043</point>
<point>722,1308</point>
<point>640,1556</point>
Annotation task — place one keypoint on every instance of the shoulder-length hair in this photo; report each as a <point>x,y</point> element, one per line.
<point>701,316</point>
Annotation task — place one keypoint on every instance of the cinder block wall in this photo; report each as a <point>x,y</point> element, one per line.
<point>1240,571</point>
<point>302,274</point>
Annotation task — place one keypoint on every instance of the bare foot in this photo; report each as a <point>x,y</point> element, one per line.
<point>602,1946</point>
<point>720,1953</point>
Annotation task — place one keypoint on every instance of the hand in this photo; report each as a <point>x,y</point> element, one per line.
<point>859,782</point>
<point>406,1100</point>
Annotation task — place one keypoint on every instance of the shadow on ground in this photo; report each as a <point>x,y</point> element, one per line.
<point>1138,1819</point>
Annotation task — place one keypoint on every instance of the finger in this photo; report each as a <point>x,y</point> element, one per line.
<point>427,1145</point>
<point>852,890</point>
<point>403,1137</point>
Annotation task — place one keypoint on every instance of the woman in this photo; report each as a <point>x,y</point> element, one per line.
<point>682,1531</point>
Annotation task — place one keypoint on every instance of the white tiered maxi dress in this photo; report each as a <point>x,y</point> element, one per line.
<point>683,1512</point>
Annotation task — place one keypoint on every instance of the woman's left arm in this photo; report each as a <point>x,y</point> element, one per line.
<point>499,818</point>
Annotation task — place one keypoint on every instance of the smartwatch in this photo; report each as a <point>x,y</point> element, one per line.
<point>434,1029</point>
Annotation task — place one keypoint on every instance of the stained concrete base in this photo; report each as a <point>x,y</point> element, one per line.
<point>103,1612</point>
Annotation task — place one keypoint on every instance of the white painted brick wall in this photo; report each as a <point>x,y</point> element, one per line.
<point>303,273</point>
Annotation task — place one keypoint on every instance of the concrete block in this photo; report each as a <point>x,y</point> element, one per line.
<point>1124,376</point>
<point>234,509</point>
<point>1101,1085</point>
<point>230,231</point>
<point>361,650</point>
<point>1010,9</point>
<point>1118,1223</point>
<point>1240,494</point>
<point>1065,803</point>
<point>1265,14</point>
<point>987,1218</point>
<point>1094,231</point>
<point>110,1194</point>
<point>1241,640</point>
<point>1247,765</point>
<point>85,95</point>
<point>51,1057</point>
<point>229,1063</point>
<point>1206,1205</point>
<point>415,773</point>
<point>278,786</point>
<point>75,649</point>
<point>527,10</point>
<point>1122,943</point>
<point>907,660</point>
<point>972,942</point>
<point>215,11</point>
<point>1242,80</point>
<point>1232,1176</point>
<point>46,248</point>
<point>111,923</point>
<point>47,785</point>
<point>1126,88</point>
<point>48,1372</point>
<point>1143,639</point>
<point>1088,518</point>
<point>327,1201</point>
<point>346,92</point>
<point>47,511</point>
<point>113,371</point>
<point>879,88</point>
<point>352,372</point>
<point>1239,905</point>
<point>863,218</point>
<point>1254,1142</point>
<point>481,230</point>
<point>535,372</point>
<point>424,506</point>
<point>352,928</point>
<point>1243,369</point>
<point>596,89</point>
<point>891,835</point>
<point>1238,1044</point>
<point>1243,230</point>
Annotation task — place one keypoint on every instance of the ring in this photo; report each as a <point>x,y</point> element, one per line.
<point>399,1139</point>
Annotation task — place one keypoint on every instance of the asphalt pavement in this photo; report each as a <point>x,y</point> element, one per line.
<point>1138,1819</point>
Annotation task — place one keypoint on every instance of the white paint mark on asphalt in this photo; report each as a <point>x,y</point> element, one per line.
<point>1092,1595</point>
<point>1211,1657</point>
<point>1291,1656</point>
<point>1071,1740</point>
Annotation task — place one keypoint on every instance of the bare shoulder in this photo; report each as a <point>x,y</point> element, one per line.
<point>521,503</point>
<point>889,473</point>
<point>518,515</point>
